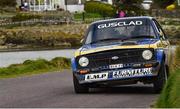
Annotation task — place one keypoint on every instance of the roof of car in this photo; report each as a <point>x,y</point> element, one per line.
<point>124,18</point>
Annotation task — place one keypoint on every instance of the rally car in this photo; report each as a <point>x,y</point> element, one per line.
<point>122,51</point>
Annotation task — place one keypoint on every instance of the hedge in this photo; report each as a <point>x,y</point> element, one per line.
<point>24,16</point>
<point>103,9</point>
<point>4,3</point>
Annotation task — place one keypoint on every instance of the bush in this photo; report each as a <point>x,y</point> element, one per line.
<point>24,17</point>
<point>170,97</point>
<point>164,3</point>
<point>7,12</point>
<point>131,7</point>
<point>50,15</point>
<point>172,32</point>
<point>4,3</point>
<point>103,9</point>
<point>60,62</point>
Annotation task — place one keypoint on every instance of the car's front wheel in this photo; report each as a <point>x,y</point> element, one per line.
<point>161,78</point>
<point>78,88</point>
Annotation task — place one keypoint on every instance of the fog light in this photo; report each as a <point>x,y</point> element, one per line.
<point>83,71</point>
<point>148,65</point>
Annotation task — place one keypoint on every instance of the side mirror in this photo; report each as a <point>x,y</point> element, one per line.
<point>82,40</point>
<point>161,35</point>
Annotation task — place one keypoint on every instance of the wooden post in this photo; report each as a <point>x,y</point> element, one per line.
<point>39,5</point>
<point>79,2</point>
<point>21,2</point>
<point>39,2</point>
<point>29,5</point>
<point>50,3</point>
<point>66,4</point>
<point>45,5</point>
<point>34,4</point>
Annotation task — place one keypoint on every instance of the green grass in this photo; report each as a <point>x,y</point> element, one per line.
<point>30,67</point>
<point>170,96</point>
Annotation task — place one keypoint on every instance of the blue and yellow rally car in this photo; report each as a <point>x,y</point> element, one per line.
<point>122,51</point>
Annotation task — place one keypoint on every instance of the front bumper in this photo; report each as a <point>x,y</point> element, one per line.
<point>115,75</point>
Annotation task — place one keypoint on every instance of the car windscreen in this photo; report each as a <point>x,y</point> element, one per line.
<point>120,30</point>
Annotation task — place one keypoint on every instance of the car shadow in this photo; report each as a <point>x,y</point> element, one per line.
<point>128,89</point>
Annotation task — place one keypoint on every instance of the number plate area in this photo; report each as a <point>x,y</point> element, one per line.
<point>131,73</point>
<point>97,76</point>
<point>115,74</point>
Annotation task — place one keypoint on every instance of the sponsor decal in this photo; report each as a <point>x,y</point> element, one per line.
<point>132,72</point>
<point>97,76</point>
<point>120,24</point>
<point>115,66</point>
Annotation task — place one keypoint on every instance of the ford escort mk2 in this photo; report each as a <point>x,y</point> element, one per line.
<point>122,51</point>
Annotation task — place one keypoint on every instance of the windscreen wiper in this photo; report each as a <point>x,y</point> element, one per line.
<point>109,39</point>
<point>138,37</point>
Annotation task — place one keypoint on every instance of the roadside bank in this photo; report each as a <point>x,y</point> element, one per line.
<point>170,96</point>
<point>42,37</point>
<point>31,67</point>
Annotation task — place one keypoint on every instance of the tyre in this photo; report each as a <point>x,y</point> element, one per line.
<point>161,78</point>
<point>78,88</point>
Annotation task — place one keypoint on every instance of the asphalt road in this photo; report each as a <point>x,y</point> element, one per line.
<point>56,90</point>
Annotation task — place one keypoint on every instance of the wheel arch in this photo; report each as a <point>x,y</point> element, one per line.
<point>166,63</point>
<point>161,57</point>
<point>73,64</point>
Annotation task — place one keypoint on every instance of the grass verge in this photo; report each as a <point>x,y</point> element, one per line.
<point>170,96</point>
<point>30,67</point>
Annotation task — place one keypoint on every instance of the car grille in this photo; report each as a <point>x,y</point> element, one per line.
<point>125,56</point>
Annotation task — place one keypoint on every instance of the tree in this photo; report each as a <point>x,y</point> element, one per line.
<point>10,3</point>
<point>163,3</point>
<point>132,7</point>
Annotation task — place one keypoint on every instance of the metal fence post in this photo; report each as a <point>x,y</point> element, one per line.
<point>83,16</point>
<point>104,16</point>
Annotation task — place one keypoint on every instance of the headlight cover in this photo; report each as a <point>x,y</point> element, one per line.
<point>83,61</point>
<point>147,54</point>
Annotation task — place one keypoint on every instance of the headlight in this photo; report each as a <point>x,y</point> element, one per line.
<point>83,61</point>
<point>147,54</point>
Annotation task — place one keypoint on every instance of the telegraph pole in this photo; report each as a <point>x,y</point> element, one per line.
<point>66,4</point>
<point>79,2</point>
<point>21,2</point>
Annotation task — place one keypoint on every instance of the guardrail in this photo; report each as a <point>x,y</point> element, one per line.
<point>4,23</point>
